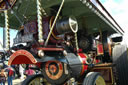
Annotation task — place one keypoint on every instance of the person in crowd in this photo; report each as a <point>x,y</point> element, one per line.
<point>3,77</point>
<point>29,71</point>
<point>17,71</point>
<point>11,74</point>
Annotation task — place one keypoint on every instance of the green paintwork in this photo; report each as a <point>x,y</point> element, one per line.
<point>87,19</point>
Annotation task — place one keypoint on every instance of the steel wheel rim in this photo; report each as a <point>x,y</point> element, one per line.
<point>99,81</point>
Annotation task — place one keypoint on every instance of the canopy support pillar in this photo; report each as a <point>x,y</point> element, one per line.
<point>7,43</point>
<point>39,21</point>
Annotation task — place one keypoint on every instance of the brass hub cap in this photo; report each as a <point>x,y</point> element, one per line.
<point>54,69</point>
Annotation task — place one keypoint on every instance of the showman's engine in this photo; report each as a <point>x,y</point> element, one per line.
<point>60,60</point>
<point>49,42</point>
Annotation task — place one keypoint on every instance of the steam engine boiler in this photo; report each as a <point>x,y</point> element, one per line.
<point>61,59</point>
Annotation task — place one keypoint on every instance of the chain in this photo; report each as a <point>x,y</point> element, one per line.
<point>76,42</point>
<point>7,30</point>
<point>39,20</point>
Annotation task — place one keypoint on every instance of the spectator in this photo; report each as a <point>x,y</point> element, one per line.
<point>10,75</point>
<point>2,77</point>
<point>29,71</point>
<point>17,71</point>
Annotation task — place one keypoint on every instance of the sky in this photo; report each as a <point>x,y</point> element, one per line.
<point>117,8</point>
<point>119,11</point>
<point>12,34</point>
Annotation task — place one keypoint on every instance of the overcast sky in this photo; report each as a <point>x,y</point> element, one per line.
<point>12,34</point>
<point>119,10</point>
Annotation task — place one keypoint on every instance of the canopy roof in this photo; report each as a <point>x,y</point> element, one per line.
<point>91,16</point>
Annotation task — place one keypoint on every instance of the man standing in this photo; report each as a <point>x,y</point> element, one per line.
<point>10,75</point>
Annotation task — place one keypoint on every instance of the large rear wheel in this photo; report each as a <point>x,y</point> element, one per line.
<point>93,78</point>
<point>120,59</point>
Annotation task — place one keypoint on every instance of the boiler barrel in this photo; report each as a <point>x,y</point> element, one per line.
<point>67,25</point>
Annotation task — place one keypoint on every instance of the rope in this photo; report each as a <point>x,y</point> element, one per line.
<point>7,30</point>
<point>60,8</point>
<point>39,20</point>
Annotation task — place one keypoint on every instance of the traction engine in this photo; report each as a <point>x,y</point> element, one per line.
<point>61,61</point>
<point>61,53</point>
